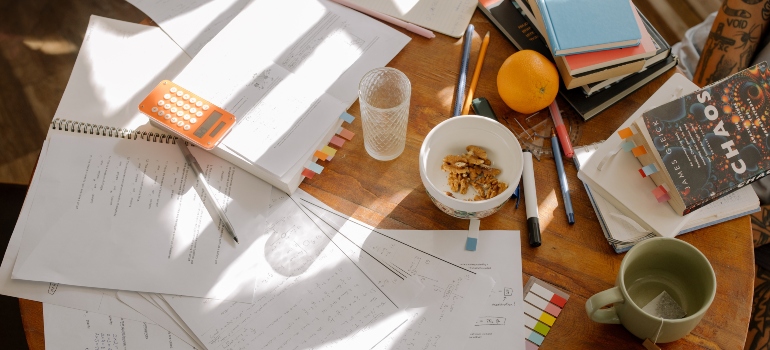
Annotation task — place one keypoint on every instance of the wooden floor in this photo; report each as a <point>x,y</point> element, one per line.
<point>39,41</point>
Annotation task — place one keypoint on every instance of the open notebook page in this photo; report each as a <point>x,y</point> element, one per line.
<point>123,214</point>
<point>449,17</point>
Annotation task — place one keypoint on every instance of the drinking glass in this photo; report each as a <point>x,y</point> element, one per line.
<point>384,97</point>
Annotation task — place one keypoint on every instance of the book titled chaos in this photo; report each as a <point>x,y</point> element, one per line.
<point>715,140</point>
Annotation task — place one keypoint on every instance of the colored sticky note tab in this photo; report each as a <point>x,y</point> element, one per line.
<point>530,345</point>
<point>536,325</point>
<point>315,168</point>
<point>538,314</point>
<point>639,151</point>
<point>625,133</point>
<point>641,171</point>
<point>347,117</point>
<point>542,304</point>
<point>320,155</point>
<point>628,145</point>
<point>347,134</point>
<point>470,244</point>
<point>546,294</point>
<point>308,173</point>
<point>650,169</point>
<point>534,337</point>
<point>337,141</point>
<point>330,151</point>
<point>661,194</point>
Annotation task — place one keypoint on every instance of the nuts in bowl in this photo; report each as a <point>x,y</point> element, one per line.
<point>452,138</point>
<point>473,170</point>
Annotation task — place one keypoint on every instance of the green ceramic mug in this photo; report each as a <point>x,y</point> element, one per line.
<point>649,268</point>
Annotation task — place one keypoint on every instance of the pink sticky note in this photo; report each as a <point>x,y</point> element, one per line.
<point>346,133</point>
<point>337,141</point>
<point>308,173</point>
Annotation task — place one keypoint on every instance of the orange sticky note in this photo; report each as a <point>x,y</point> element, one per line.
<point>625,133</point>
<point>346,133</point>
<point>308,173</point>
<point>639,150</point>
<point>320,155</point>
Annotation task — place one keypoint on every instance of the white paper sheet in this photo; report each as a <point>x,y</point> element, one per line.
<point>287,75</point>
<point>448,306</point>
<point>449,17</point>
<point>123,214</point>
<point>498,254</point>
<point>158,316</point>
<point>191,23</point>
<point>119,63</point>
<point>67,328</point>
<point>309,295</point>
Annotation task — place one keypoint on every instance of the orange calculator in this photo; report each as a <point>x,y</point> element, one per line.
<point>187,115</point>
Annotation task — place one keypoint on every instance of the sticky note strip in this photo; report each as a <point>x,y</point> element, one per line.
<point>347,117</point>
<point>473,235</point>
<point>320,155</point>
<point>308,173</point>
<point>625,133</point>
<point>538,314</point>
<point>533,336</point>
<point>628,145</point>
<point>315,168</point>
<point>639,151</point>
<point>536,325</point>
<point>542,304</point>
<point>330,151</point>
<point>548,295</point>
<point>650,169</point>
<point>641,171</point>
<point>345,133</point>
<point>337,141</point>
<point>661,194</point>
<point>530,345</point>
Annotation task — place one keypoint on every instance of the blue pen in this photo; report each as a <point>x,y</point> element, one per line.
<point>463,71</point>
<point>562,177</point>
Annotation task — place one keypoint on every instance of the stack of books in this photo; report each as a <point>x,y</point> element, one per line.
<point>600,59</point>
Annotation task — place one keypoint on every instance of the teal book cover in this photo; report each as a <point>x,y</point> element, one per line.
<point>576,26</point>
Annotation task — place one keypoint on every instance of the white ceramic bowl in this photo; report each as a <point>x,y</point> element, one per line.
<point>451,137</point>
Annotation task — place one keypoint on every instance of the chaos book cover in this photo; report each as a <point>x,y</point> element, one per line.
<point>717,139</point>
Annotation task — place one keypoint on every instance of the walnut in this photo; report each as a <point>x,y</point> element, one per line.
<point>473,169</point>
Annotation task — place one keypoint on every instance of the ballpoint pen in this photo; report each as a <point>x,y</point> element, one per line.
<point>460,98</point>
<point>561,130</point>
<point>210,203</point>
<point>530,200</point>
<point>562,178</point>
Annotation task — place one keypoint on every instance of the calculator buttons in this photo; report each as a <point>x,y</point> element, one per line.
<point>193,99</point>
<point>180,93</point>
<point>186,117</point>
<point>186,96</point>
<point>180,123</point>
<point>174,120</point>
<point>186,106</point>
<point>199,103</point>
<point>167,96</point>
<point>193,110</point>
<point>180,113</point>
<point>154,109</point>
<point>200,114</point>
<point>161,102</point>
<point>173,90</point>
<point>205,107</point>
<point>167,106</point>
<point>180,103</point>
<point>173,109</point>
<point>173,100</point>
<point>161,113</point>
<point>186,127</point>
<point>167,116</point>
<point>193,120</point>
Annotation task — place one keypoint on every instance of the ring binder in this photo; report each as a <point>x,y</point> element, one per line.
<point>103,130</point>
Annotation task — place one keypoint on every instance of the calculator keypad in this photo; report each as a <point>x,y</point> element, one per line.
<point>179,98</point>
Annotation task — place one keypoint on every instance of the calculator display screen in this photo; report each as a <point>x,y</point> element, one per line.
<point>213,118</point>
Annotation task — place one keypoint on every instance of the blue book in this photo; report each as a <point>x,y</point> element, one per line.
<point>576,26</point>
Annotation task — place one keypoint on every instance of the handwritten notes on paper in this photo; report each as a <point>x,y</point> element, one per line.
<point>133,220</point>
<point>308,295</point>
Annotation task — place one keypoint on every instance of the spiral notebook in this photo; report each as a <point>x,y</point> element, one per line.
<point>622,232</point>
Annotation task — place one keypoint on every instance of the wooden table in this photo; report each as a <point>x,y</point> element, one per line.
<point>575,257</point>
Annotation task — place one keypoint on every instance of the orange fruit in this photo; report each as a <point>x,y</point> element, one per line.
<point>527,81</point>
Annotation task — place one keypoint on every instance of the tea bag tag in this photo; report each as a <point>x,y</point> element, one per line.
<point>473,235</point>
<point>664,306</point>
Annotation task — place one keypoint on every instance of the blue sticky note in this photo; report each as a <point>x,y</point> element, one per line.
<point>315,168</point>
<point>628,146</point>
<point>347,117</point>
<point>470,244</point>
<point>536,338</point>
<point>650,169</point>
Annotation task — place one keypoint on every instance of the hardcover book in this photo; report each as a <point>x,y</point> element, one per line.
<point>578,26</point>
<point>708,143</point>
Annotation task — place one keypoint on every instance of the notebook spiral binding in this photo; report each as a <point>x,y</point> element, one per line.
<point>101,130</point>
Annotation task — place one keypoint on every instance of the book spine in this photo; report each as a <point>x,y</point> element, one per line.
<point>549,30</point>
